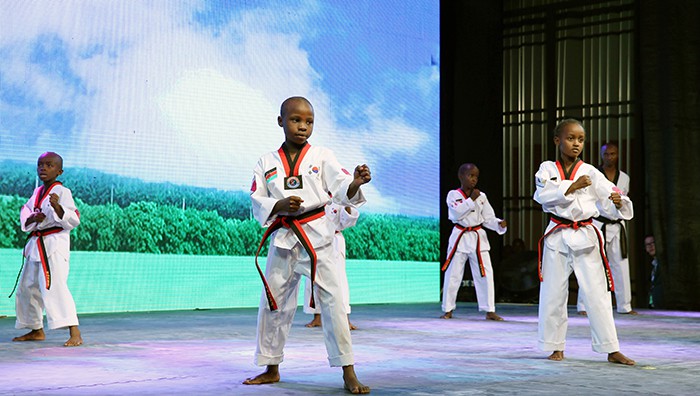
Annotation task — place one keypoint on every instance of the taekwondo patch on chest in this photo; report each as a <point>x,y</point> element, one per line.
<point>271,175</point>
<point>293,183</point>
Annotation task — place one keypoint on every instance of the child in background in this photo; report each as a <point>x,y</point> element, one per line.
<point>615,236</point>
<point>342,217</point>
<point>470,210</point>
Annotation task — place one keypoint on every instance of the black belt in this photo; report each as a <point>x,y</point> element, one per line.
<point>623,233</point>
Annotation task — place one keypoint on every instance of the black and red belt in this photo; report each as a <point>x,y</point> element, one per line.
<point>294,223</point>
<point>463,229</point>
<point>43,256</point>
<point>562,223</point>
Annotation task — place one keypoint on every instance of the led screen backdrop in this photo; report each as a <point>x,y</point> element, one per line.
<point>161,110</point>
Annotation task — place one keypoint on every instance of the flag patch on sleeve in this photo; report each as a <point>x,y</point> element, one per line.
<point>271,175</point>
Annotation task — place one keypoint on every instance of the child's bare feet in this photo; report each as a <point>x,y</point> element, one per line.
<point>75,338</point>
<point>315,322</point>
<point>557,356</point>
<point>34,335</point>
<point>447,315</point>
<point>351,326</point>
<point>271,375</point>
<point>618,357</point>
<point>493,316</point>
<point>352,384</point>
<point>583,313</point>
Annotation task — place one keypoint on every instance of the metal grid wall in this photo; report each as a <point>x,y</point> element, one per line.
<point>562,59</point>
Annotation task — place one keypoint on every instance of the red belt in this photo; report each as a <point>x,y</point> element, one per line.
<point>463,229</point>
<point>294,223</point>
<point>566,223</point>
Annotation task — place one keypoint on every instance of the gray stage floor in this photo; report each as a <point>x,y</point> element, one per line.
<point>400,350</point>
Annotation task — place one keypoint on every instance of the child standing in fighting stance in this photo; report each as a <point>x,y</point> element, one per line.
<point>469,209</point>
<point>48,216</point>
<point>290,190</point>
<point>568,191</point>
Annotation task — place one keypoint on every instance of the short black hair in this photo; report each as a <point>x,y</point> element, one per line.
<point>568,121</point>
<point>464,168</point>
<point>53,154</point>
<point>285,104</point>
<point>610,144</point>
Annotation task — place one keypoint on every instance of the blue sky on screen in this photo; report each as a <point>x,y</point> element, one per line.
<point>189,91</point>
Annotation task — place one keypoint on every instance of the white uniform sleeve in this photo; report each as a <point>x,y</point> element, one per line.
<point>490,219</point>
<point>348,220</point>
<point>550,191</point>
<point>603,188</point>
<point>25,212</point>
<point>71,217</point>
<point>624,183</point>
<point>262,204</point>
<point>458,206</point>
<point>337,180</point>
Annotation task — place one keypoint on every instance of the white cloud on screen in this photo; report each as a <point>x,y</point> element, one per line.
<point>163,99</point>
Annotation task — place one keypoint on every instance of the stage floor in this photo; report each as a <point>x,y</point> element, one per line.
<point>399,349</point>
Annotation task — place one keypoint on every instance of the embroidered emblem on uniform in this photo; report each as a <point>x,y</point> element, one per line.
<point>314,169</point>
<point>539,182</point>
<point>271,175</point>
<point>293,183</point>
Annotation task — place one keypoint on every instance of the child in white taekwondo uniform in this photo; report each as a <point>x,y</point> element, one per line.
<point>48,216</point>
<point>342,217</point>
<point>615,236</point>
<point>471,211</point>
<point>569,191</point>
<point>290,190</point>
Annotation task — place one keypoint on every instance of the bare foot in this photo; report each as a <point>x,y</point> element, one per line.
<point>557,356</point>
<point>75,338</point>
<point>632,312</point>
<point>351,326</point>
<point>351,383</point>
<point>583,313</point>
<point>34,335</point>
<point>315,322</point>
<point>447,315</point>
<point>493,316</point>
<point>271,375</point>
<point>618,357</point>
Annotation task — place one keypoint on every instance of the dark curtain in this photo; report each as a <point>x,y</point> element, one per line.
<point>669,92</point>
<point>471,104</point>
